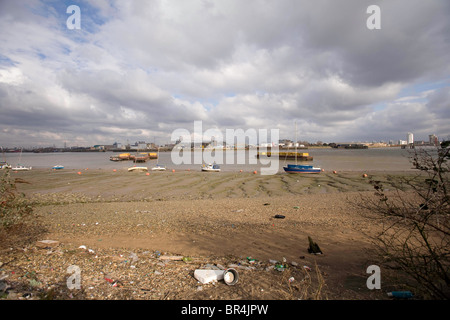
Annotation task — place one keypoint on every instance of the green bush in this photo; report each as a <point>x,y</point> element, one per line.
<point>14,208</point>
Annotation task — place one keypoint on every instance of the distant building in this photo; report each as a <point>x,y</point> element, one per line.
<point>410,138</point>
<point>141,145</point>
<point>434,141</point>
<point>285,143</point>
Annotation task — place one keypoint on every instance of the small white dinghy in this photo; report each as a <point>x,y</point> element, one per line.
<point>137,169</point>
<point>211,168</point>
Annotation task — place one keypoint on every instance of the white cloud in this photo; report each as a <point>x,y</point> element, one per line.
<point>12,76</point>
<point>141,69</point>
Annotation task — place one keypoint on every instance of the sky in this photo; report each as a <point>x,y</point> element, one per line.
<point>141,70</point>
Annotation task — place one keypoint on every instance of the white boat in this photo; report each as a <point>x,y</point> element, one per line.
<point>297,168</point>
<point>211,168</point>
<point>138,169</point>
<point>58,167</point>
<point>20,167</point>
<point>3,163</point>
<point>159,167</point>
<point>5,166</point>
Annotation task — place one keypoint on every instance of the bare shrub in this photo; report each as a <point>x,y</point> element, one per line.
<point>414,236</point>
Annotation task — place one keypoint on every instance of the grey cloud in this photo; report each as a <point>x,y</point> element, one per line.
<point>439,103</point>
<point>154,66</point>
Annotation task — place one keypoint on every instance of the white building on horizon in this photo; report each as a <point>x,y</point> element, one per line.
<point>410,138</point>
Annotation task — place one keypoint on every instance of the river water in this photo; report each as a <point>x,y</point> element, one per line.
<point>372,159</point>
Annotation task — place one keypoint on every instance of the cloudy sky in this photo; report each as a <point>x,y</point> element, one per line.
<point>139,70</point>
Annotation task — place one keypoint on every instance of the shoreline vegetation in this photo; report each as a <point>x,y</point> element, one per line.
<point>117,226</point>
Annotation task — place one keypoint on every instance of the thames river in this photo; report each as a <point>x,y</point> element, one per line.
<point>329,159</point>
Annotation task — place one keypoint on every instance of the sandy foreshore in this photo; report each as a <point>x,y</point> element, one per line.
<point>127,221</point>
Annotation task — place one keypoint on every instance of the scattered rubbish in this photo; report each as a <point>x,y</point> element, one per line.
<point>291,279</point>
<point>279,216</point>
<point>211,267</point>
<point>307,268</point>
<point>251,260</point>
<point>270,268</point>
<point>266,204</point>
<point>34,283</point>
<point>273,261</point>
<point>187,259</point>
<point>171,258</point>
<point>133,256</point>
<point>114,283</point>
<point>281,267</point>
<point>230,277</point>
<point>47,244</point>
<point>296,207</point>
<point>213,274</point>
<point>3,286</point>
<point>313,247</point>
<point>400,294</point>
<point>82,247</point>
<point>207,276</point>
<point>109,280</point>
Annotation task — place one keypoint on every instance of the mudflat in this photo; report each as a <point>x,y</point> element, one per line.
<point>127,232</point>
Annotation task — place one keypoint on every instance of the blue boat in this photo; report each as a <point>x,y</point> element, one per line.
<point>297,168</point>
<point>58,167</point>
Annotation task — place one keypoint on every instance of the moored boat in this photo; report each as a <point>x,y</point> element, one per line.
<point>211,168</point>
<point>20,167</point>
<point>297,168</point>
<point>4,165</point>
<point>142,157</point>
<point>159,167</point>
<point>124,156</point>
<point>58,167</point>
<point>137,169</point>
<point>301,156</point>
